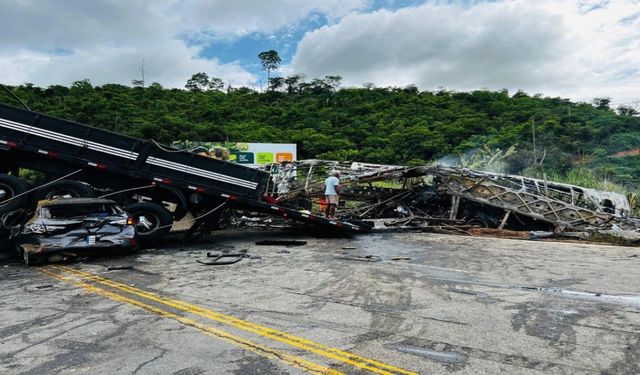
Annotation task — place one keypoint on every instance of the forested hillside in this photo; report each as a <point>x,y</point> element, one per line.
<point>379,125</point>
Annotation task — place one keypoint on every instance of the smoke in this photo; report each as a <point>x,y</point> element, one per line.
<point>485,159</point>
<point>448,161</point>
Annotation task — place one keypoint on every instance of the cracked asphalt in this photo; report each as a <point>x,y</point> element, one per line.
<point>448,304</point>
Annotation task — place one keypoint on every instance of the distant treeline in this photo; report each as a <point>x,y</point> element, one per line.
<point>390,125</point>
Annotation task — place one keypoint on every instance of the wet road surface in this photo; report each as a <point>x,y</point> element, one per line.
<point>447,304</point>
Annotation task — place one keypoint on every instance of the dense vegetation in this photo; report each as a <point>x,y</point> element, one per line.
<point>379,125</point>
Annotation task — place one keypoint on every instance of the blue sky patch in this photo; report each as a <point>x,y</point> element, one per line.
<point>245,50</point>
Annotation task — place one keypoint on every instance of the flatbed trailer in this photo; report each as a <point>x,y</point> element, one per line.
<point>127,169</point>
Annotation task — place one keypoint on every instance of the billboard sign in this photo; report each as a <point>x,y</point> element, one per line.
<point>243,153</point>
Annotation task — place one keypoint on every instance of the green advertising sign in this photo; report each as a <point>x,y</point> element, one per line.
<point>264,157</point>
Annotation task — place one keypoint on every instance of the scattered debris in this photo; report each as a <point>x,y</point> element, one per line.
<point>540,234</point>
<point>115,268</point>
<point>400,258</point>
<point>218,258</point>
<point>502,233</point>
<point>281,243</point>
<point>534,235</point>
<point>364,258</point>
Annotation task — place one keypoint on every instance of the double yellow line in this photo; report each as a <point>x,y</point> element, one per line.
<point>294,341</point>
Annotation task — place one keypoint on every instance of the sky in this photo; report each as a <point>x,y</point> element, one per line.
<point>577,49</point>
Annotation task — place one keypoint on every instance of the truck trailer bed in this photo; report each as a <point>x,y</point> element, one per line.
<point>37,141</point>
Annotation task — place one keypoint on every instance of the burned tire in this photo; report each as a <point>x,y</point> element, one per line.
<point>483,220</point>
<point>65,189</point>
<point>10,189</point>
<point>152,221</point>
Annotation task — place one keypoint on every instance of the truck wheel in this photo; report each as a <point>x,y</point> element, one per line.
<point>483,220</point>
<point>6,245</point>
<point>10,187</point>
<point>153,221</point>
<point>65,189</point>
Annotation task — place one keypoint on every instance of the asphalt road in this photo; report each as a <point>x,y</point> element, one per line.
<point>447,304</point>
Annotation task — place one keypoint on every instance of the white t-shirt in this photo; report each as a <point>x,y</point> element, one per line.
<point>331,184</point>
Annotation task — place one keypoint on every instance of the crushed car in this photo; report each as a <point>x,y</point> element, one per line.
<point>65,228</point>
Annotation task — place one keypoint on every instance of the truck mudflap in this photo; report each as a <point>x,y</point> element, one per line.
<point>300,216</point>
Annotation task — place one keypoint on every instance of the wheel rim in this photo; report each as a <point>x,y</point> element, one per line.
<point>147,223</point>
<point>6,194</point>
<point>63,193</point>
<point>478,223</point>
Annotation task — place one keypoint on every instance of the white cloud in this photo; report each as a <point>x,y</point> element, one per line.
<point>575,48</point>
<point>222,19</point>
<point>106,41</point>
<point>578,49</point>
<point>170,64</point>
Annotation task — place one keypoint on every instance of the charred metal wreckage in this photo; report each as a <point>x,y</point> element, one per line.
<point>455,198</point>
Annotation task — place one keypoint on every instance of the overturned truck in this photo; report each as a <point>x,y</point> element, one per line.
<point>442,195</point>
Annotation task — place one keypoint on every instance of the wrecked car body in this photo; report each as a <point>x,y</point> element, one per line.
<point>63,228</point>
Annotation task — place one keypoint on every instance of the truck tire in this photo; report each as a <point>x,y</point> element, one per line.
<point>65,189</point>
<point>10,187</point>
<point>7,249</point>
<point>483,220</point>
<point>153,221</point>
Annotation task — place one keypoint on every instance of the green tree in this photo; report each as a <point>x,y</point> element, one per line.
<point>292,83</point>
<point>270,61</point>
<point>626,110</point>
<point>215,84</point>
<point>333,81</point>
<point>602,103</point>
<point>276,82</point>
<point>198,82</point>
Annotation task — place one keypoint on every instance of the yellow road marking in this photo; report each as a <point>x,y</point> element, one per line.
<point>289,359</point>
<point>298,342</point>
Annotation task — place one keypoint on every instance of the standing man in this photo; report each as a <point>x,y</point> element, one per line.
<point>332,192</point>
